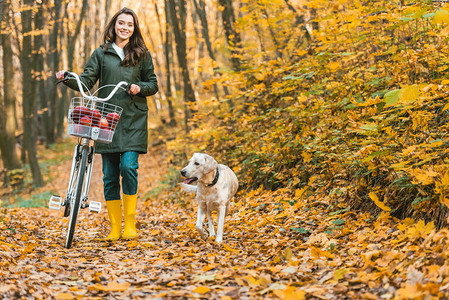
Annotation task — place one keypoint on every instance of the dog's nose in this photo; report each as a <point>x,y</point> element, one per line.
<point>183,172</point>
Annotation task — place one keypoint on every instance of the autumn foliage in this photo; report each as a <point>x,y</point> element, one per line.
<point>358,113</point>
<point>337,133</point>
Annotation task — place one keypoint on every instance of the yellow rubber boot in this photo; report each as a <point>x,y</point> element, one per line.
<point>115,217</point>
<point>129,208</point>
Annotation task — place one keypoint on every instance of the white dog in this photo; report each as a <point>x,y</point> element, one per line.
<point>216,186</point>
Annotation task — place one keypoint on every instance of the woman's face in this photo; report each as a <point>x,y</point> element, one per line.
<point>124,28</point>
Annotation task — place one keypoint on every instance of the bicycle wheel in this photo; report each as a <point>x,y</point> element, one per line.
<point>75,208</point>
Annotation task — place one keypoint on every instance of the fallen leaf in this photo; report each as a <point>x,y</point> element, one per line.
<point>201,290</point>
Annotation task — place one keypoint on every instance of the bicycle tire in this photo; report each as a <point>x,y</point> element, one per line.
<point>77,202</point>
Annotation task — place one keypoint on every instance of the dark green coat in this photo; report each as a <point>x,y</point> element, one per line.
<point>131,133</point>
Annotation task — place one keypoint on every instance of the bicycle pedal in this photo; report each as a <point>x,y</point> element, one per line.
<point>55,202</point>
<point>95,206</point>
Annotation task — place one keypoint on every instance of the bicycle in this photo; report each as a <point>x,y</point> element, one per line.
<point>90,118</point>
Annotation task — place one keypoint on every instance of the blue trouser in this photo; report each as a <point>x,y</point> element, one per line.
<point>114,165</point>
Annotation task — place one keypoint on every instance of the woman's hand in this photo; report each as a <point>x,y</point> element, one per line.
<point>60,75</point>
<point>134,89</point>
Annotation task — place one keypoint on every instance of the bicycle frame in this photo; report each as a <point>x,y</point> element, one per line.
<point>82,162</point>
<point>74,174</point>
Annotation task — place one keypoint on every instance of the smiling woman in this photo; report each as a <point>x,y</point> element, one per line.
<point>122,57</point>
<point>124,28</point>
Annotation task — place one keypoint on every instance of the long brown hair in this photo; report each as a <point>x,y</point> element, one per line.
<point>135,50</point>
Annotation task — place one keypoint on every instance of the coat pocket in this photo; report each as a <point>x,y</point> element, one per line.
<point>140,103</point>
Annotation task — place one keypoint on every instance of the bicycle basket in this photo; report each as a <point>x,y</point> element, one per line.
<point>94,120</point>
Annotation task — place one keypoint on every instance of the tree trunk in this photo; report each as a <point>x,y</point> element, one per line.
<point>157,98</point>
<point>8,111</point>
<point>273,34</point>
<point>107,7</point>
<point>167,46</point>
<point>50,116</point>
<point>168,49</point>
<point>1,10</point>
<point>178,24</point>
<point>72,39</point>
<point>200,7</point>
<point>29,105</point>
<point>57,106</point>
<point>232,35</point>
<point>39,70</point>
<point>299,19</point>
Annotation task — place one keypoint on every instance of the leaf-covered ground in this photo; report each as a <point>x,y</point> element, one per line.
<point>275,246</point>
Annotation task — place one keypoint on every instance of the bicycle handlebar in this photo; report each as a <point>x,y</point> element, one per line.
<point>92,97</point>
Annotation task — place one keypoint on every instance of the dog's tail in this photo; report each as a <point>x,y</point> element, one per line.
<point>188,187</point>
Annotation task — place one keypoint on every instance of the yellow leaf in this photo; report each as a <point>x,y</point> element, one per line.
<point>112,287</point>
<point>251,280</point>
<point>333,66</point>
<point>118,287</point>
<point>299,192</point>
<point>399,166</point>
<point>288,254</point>
<point>209,267</point>
<point>410,93</point>
<point>64,296</point>
<point>368,256</point>
<point>407,222</point>
<point>290,293</point>
<point>421,228</point>
<point>132,244</point>
<point>424,177</point>
<point>306,156</point>
<point>260,76</point>
<point>339,274</point>
<point>201,290</point>
<point>149,244</point>
<point>379,204</point>
<point>409,292</point>
<point>441,17</point>
<point>227,248</point>
<point>317,253</point>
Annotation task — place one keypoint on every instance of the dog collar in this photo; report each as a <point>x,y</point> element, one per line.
<point>217,174</point>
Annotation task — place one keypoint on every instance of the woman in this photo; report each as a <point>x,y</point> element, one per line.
<point>122,57</point>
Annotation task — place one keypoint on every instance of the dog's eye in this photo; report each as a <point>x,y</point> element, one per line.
<point>196,164</point>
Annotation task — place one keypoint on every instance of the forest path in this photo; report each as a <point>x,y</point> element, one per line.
<point>272,249</point>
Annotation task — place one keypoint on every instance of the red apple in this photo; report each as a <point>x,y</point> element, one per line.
<point>96,116</point>
<point>112,118</point>
<point>78,112</point>
<point>86,121</point>
<point>103,123</point>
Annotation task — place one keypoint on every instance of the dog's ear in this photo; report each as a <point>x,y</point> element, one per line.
<point>210,160</point>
